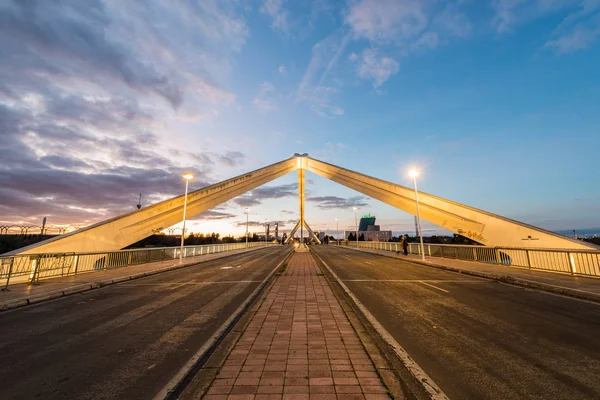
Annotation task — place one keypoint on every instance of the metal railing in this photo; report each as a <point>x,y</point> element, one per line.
<point>32,268</point>
<point>574,262</point>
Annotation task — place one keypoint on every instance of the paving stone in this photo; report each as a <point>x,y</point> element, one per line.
<point>299,345</point>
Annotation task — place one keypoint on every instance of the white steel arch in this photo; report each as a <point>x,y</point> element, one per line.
<point>484,227</point>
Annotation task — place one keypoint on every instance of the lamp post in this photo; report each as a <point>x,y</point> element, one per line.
<point>356,225</point>
<point>413,174</point>
<point>187,176</point>
<point>337,229</point>
<point>327,233</point>
<point>247,213</point>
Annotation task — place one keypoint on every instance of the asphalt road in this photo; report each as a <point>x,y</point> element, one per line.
<point>124,341</point>
<point>476,338</point>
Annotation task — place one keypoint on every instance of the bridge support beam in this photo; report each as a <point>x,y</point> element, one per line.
<point>481,226</point>
<point>119,232</point>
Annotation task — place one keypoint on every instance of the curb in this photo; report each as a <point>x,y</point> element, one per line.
<point>422,386</point>
<point>510,280</point>
<point>178,383</point>
<point>35,299</point>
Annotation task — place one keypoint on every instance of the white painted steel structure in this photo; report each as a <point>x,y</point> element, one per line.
<point>484,227</point>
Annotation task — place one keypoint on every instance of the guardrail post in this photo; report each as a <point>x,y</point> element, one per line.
<point>498,260</point>
<point>429,250</point>
<point>528,259</point>
<point>76,264</point>
<point>456,253</point>
<point>34,271</point>
<point>572,263</point>
<point>10,266</point>
<point>474,253</point>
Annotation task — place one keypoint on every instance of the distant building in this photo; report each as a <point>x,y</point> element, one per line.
<point>370,231</point>
<point>365,222</point>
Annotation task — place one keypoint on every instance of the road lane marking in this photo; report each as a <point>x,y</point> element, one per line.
<point>184,283</point>
<point>366,262</point>
<point>237,266</point>
<point>435,287</point>
<point>415,280</point>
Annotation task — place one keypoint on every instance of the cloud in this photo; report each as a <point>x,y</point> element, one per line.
<point>334,202</point>
<point>452,21</point>
<point>257,196</point>
<point>263,101</point>
<point>578,30</point>
<point>510,13</point>
<point>231,158</point>
<point>312,90</point>
<point>71,176</point>
<point>373,66</point>
<point>264,223</point>
<point>288,212</point>
<point>581,37</point>
<point>282,70</point>
<point>387,20</point>
<point>87,90</point>
<point>279,16</point>
<point>212,215</point>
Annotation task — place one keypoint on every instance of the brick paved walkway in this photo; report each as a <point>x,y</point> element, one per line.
<point>299,345</point>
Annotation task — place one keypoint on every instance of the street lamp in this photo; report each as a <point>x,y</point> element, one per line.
<point>327,233</point>
<point>413,174</point>
<point>247,213</point>
<point>356,225</point>
<point>337,229</point>
<point>187,176</point>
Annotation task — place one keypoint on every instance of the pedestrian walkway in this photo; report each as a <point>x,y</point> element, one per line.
<point>579,286</point>
<point>299,345</point>
<point>23,293</point>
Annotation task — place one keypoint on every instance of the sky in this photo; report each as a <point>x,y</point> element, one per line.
<point>497,103</point>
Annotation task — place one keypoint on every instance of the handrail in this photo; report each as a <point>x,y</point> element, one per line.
<point>31,268</point>
<point>575,262</point>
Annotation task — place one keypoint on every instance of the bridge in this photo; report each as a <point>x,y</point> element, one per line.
<point>84,318</point>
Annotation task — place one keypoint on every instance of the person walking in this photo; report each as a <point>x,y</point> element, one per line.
<point>405,244</point>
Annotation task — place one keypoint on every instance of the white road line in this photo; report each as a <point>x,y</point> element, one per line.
<point>435,287</point>
<point>414,280</point>
<point>184,283</point>
<point>366,262</point>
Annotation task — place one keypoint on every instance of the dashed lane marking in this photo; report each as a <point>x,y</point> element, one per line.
<point>185,283</point>
<point>435,287</point>
<point>416,280</point>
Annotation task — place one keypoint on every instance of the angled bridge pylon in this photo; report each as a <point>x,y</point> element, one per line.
<point>483,227</point>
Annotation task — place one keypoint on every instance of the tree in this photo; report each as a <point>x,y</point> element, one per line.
<point>352,237</point>
<point>361,237</point>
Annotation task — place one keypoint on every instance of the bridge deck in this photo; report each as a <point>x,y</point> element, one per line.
<point>582,286</point>
<point>298,344</point>
<point>124,341</point>
<point>18,294</point>
<point>476,338</point>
